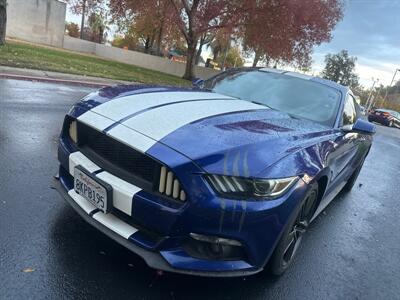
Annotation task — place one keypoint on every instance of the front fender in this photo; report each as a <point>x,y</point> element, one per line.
<point>309,163</point>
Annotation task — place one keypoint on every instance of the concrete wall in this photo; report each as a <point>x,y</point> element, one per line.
<point>74,44</point>
<point>38,21</point>
<point>134,58</point>
<point>43,22</point>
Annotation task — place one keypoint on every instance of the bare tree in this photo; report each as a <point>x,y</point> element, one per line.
<point>3,21</point>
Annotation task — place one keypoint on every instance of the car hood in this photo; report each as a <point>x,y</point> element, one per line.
<point>219,133</point>
<point>244,143</point>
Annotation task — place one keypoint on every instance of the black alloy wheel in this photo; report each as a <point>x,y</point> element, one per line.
<point>293,235</point>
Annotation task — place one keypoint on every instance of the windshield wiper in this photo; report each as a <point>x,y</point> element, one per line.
<point>260,103</point>
<point>294,116</point>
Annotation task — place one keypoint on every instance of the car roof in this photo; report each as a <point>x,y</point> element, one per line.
<point>332,84</point>
<point>386,110</point>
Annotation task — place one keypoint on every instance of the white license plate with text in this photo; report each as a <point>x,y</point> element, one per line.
<point>91,189</point>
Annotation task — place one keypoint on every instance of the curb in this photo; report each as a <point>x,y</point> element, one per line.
<point>54,80</point>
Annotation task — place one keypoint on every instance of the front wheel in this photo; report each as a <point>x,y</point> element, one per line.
<point>291,239</point>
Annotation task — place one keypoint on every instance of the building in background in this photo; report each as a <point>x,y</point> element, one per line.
<point>37,21</point>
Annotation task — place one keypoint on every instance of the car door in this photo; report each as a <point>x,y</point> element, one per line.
<point>346,145</point>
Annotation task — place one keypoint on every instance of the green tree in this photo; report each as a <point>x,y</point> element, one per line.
<point>233,58</point>
<point>129,40</point>
<point>340,68</point>
<point>3,21</point>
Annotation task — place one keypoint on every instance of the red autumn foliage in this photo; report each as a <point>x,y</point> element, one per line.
<point>153,20</point>
<point>278,30</point>
<point>287,30</point>
<point>199,16</point>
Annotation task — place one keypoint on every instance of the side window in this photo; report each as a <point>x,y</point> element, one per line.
<point>349,111</point>
<point>357,107</point>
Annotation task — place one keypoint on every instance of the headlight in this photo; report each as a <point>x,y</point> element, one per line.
<point>247,188</point>
<point>73,132</point>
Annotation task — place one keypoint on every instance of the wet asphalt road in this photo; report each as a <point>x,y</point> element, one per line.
<point>352,250</point>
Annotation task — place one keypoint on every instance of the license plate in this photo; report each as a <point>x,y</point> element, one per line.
<point>92,189</point>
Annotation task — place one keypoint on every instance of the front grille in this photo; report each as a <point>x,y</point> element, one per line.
<point>118,158</point>
<point>128,164</point>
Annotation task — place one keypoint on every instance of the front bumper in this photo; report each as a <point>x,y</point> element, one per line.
<point>158,232</point>
<point>153,259</point>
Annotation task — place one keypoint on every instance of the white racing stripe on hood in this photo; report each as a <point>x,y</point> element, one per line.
<point>95,120</point>
<point>152,123</point>
<point>120,108</point>
<point>159,122</point>
<point>131,138</point>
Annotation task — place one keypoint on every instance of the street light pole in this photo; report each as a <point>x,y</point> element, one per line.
<point>387,90</point>
<point>83,18</point>
<point>368,104</point>
<point>378,92</point>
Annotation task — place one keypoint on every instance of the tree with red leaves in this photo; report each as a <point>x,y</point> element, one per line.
<point>284,30</point>
<point>287,30</point>
<point>197,17</point>
<point>152,20</point>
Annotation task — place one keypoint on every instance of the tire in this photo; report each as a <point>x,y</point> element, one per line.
<point>290,241</point>
<point>353,178</point>
<point>391,124</point>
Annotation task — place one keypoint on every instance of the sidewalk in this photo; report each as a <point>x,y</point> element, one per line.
<point>54,77</point>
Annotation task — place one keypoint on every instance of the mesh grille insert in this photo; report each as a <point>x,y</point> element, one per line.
<point>118,158</point>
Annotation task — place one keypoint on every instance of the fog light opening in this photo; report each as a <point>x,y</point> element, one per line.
<point>215,240</point>
<point>214,248</point>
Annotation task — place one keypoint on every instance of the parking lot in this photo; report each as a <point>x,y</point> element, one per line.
<point>352,250</point>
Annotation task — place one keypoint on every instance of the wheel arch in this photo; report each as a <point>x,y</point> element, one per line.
<point>322,185</point>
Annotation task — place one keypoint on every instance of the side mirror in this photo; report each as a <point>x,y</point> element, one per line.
<point>361,126</point>
<point>197,83</point>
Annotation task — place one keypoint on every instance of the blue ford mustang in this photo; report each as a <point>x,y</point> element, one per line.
<point>219,180</point>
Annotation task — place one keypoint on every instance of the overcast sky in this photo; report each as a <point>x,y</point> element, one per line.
<point>369,30</point>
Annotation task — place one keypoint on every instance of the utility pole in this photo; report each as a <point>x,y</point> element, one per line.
<point>387,90</point>
<point>377,94</point>
<point>368,104</point>
<point>83,17</point>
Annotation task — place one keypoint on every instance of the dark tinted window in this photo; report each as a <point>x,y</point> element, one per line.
<point>296,96</point>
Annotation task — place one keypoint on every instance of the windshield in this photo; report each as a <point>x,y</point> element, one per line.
<point>296,96</point>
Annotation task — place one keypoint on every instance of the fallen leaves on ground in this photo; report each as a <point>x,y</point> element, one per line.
<point>28,270</point>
